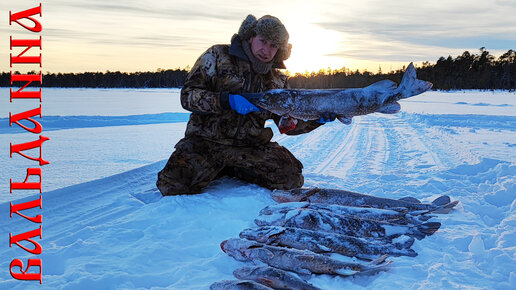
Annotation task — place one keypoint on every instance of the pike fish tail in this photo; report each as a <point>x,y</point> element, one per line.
<point>411,86</point>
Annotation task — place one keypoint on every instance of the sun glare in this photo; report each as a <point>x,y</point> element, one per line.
<point>312,47</point>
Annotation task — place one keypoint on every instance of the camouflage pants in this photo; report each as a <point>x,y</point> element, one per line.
<point>196,162</point>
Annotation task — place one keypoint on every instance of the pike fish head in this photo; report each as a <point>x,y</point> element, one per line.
<point>288,195</point>
<point>265,275</point>
<point>237,284</point>
<point>245,273</point>
<point>237,248</point>
<point>257,272</point>
<point>283,207</point>
<point>268,210</point>
<point>279,102</point>
<point>266,234</point>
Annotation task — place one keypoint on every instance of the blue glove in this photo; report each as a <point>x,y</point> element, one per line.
<point>327,117</point>
<point>241,105</point>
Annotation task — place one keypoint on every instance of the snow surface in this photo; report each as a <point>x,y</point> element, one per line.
<point>105,226</point>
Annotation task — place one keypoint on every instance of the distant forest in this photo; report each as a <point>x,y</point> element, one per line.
<point>466,71</point>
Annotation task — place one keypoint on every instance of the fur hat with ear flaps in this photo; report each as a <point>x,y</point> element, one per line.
<point>272,29</point>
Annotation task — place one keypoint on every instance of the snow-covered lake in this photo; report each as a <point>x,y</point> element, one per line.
<point>105,226</point>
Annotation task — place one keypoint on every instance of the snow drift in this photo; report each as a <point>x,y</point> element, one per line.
<point>106,226</point>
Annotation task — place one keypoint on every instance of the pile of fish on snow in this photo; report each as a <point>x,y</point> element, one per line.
<point>311,230</point>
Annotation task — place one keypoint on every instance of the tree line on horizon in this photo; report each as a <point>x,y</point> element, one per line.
<point>466,71</point>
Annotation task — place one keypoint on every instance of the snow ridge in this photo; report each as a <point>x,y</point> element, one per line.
<point>112,229</point>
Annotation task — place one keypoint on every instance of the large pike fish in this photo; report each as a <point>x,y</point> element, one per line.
<point>441,204</point>
<point>273,277</point>
<point>302,262</point>
<point>382,97</point>
<point>392,216</point>
<point>326,242</point>
<point>347,225</point>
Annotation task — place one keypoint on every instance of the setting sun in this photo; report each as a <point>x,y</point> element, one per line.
<point>312,46</point>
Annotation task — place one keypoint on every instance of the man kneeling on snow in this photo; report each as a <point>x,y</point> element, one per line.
<point>225,135</point>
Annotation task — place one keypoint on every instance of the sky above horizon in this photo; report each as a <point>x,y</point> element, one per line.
<point>96,35</point>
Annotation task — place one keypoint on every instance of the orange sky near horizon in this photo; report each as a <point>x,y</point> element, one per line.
<point>91,36</point>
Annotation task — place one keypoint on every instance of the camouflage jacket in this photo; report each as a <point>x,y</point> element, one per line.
<point>224,69</point>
